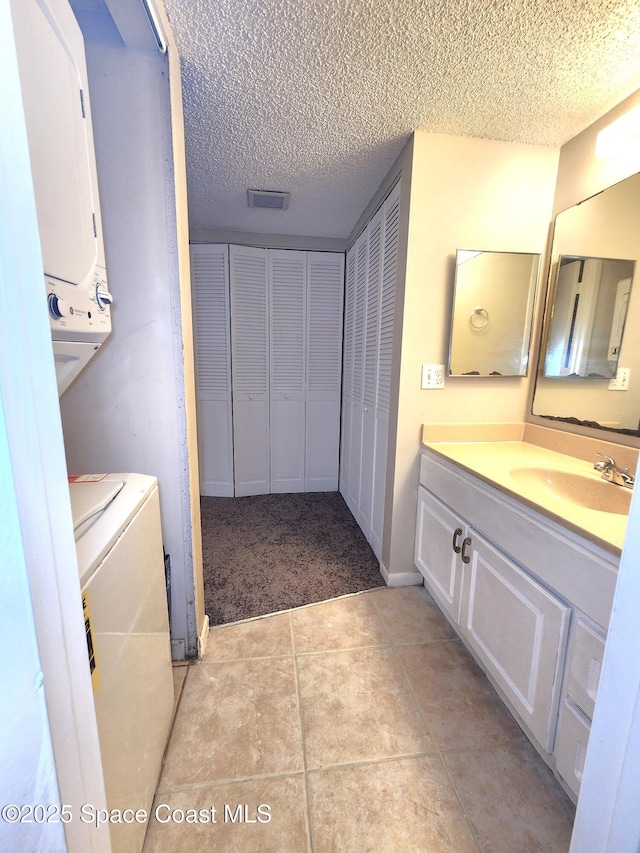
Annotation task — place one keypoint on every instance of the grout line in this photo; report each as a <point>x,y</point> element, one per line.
<point>470,823</point>
<point>302,738</point>
<point>218,783</point>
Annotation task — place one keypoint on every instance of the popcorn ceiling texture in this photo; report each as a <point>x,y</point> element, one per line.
<point>318,97</point>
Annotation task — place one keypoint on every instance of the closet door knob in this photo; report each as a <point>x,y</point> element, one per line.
<point>465,556</point>
<point>457,532</point>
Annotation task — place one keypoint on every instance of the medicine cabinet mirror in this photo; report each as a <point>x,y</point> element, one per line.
<point>492,311</point>
<point>589,372</point>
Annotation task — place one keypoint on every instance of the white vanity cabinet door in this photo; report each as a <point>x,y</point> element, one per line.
<point>571,744</point>
<point>584,662</point>
<point>518,629</point>
<point>438,532</point>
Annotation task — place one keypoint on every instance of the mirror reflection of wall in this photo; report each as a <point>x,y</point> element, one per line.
<point>573,384</point>
<point>492,311</point>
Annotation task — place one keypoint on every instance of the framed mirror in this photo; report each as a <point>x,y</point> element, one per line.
<point>492,311</point>
<point>591,301</point>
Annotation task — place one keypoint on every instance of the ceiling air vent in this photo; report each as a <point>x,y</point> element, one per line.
<point>268,198</point>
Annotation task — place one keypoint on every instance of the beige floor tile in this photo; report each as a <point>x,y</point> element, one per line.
<point>280,824</point>
<point>257,638</point>
<point>404,806</point>
<point>460,706</point>
<point>179,672</point>
<point>411,616</point>
<point>236,719</point>
<point>340,624</point>
<point>512,799</point>
<point>356,706</point>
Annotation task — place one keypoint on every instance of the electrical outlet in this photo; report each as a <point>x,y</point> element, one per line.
<point>433,376</point>
<point>620,381</point>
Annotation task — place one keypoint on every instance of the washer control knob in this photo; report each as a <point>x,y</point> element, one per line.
<point>103,297</point>
<point>57,306</point>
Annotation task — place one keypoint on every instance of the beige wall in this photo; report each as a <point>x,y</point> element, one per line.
<point>464,193</point>
<point>581,174</point>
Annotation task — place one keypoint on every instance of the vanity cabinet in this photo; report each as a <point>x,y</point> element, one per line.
<point>512,623</point>
<point>530,599</point>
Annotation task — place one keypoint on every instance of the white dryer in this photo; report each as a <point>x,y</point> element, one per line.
<point>121,564</point>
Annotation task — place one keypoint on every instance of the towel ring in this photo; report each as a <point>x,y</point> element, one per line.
<point>479,319</point>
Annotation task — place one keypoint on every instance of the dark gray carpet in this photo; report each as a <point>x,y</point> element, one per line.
<point>268,553</point>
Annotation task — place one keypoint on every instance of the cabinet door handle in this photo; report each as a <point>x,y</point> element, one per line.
<point>465,557</point>
<point>457,532</point>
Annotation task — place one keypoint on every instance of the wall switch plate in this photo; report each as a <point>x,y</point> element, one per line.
<point>620,381</point>
<point>432,376</point>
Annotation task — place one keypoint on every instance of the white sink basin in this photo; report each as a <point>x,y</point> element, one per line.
<point>590,492</point>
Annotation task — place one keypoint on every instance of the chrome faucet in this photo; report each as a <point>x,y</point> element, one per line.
<point>612,473</point>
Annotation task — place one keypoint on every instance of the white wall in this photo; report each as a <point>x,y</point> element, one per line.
<point>465,193</point>
<point>46,686</point>
<point>133,407</point>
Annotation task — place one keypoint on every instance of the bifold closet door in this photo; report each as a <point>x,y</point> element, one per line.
<point>347,375</point>
<point>210,288</point>
<point>388,271</point>
<point>370,371</point>
<point>250,369</point>
<point>359,328</point>
<point>368,347</point>
<point>325,285</point>
<point>287,312</point>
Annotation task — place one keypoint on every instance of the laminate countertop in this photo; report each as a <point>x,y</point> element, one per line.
<point>561,487</point>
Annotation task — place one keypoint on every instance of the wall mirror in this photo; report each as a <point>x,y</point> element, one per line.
<point>492,311</point>
<point>591,302</point>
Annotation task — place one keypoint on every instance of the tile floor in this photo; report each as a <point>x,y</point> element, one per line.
<point>358,724</point>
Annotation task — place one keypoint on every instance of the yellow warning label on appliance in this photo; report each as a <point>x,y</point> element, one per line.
<point>91,649</point>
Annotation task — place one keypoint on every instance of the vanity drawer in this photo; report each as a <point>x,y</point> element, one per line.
<point>585,663</point>
<point>572,738</point>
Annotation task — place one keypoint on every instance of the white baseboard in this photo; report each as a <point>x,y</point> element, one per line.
<point>203,639</point>
<point>401,578</point>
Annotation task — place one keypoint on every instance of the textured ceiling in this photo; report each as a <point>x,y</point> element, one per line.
<point>317,97</point>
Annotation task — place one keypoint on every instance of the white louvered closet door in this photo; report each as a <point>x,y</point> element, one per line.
<point>370,371</point>
<point>389,257</point>
<point>210,286</point>
<point>287,286</point>
<point>347,375</point>
<point>250,369</point>
<point>325,276</point>
<point>359,328</point>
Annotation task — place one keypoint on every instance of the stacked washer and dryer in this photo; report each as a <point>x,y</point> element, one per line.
<point>116,516</point>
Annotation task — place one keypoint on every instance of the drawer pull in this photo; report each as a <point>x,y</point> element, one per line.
<point>457,532</point>
<point>465,557</point>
